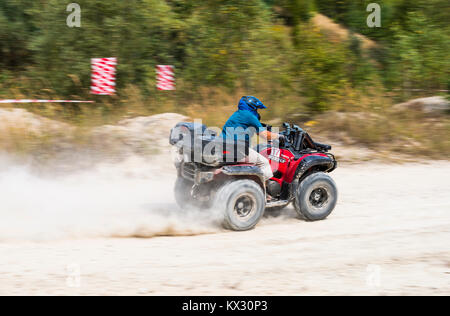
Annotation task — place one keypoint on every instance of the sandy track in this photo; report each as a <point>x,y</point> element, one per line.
<point>390,234</point>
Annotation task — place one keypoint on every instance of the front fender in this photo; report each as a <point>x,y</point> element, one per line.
<point>325,163</point>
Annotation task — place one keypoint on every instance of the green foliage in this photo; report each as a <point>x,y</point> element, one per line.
<point>268,47</point>
<point>297,10</point>
<point>360,70</point>
<point>321,65</point>
<point>414,36</point>
<point>138,33</point>
<point>16,30</point>
<point>420,55</point>
<point>232,42</point>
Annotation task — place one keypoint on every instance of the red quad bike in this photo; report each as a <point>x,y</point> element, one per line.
<point>238,190</point>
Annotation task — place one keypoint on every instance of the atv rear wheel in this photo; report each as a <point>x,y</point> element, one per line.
<point>183,195</point>
<point>242,204</point>
<point>316,197</point>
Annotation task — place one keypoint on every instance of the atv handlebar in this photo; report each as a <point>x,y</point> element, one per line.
<point>296,138</point>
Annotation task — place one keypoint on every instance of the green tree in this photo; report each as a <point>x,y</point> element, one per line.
<point>138,33</point>
<point>16,30</point>
<point>232,42</point>
<point>321,68</point>
<point>419,55</point>
<point>360,69</point>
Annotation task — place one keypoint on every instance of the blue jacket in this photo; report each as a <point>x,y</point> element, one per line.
<point>242,125</point>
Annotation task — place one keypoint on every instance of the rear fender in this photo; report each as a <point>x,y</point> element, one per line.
<point>245,171</point>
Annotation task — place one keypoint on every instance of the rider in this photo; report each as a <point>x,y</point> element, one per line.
<point>242,125</point>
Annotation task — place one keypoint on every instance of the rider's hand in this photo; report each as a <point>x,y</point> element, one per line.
<point>282,139</point>
<point>269,135</point>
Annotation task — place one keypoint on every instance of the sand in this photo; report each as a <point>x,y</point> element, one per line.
<point>115,230</point>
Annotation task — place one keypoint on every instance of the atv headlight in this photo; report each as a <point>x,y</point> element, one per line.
<point>204,177</point>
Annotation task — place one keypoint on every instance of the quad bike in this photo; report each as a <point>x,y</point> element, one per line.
<point>238,190</point>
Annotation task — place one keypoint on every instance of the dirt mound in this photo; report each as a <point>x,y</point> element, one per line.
<point>145,134</point>
<point>132,132</point>
<point>29,123</point>
<point>46,139</point>
<point>432,105</point>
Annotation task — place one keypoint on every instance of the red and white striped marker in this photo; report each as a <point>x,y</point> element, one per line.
<point>43,101</point>
<point>103,76</point>
<point>165,77</point>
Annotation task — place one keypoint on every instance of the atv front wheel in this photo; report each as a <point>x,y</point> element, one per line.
<point>242,204</point>
<point>316,197</point>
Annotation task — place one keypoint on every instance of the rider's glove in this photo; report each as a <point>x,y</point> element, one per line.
<point>282,139</point>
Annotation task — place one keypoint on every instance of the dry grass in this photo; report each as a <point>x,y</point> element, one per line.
<point>357,118</point>
<point>408,133</point>
<point>22,142</point>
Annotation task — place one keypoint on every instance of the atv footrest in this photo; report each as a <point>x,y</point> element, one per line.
<point>277,204</point>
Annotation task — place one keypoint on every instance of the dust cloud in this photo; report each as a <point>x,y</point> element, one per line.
<point>132,198</point>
